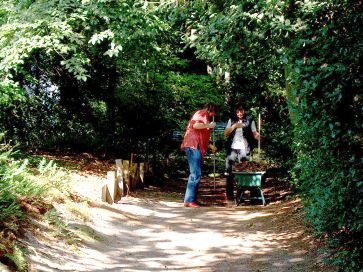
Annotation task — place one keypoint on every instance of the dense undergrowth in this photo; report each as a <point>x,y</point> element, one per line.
<point>28,188</point>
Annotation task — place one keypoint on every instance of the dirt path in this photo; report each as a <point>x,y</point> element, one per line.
<point>152,231</point>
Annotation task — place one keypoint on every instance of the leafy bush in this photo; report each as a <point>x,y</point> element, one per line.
<point>325,98</point>
<point>14,183</point>
<point>21,187</point>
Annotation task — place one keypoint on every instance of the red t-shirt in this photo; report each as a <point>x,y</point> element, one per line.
<point>197,137</point>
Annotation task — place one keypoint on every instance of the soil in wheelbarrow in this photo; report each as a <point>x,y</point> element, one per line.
<point>275,190</point>
<point>212,191</point>
<point>251,166</point>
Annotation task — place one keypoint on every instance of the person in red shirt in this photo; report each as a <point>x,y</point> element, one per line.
<point>195,144</point>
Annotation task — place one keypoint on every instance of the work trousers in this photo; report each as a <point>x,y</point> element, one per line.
<point>232,155</point>
<point>194,157</point>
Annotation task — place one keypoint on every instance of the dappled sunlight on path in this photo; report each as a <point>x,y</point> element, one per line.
<point>139,235</point>
<point>152,231</point>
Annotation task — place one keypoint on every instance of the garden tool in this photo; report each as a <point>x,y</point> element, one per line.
<point>259,131</point>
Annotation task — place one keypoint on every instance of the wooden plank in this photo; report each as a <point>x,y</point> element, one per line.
<point>119,179</point>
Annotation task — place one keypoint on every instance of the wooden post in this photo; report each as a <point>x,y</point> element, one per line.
<point>133,175</point>
<point>106,196</point>
<point>112,184</point>
<point>126,175</point>
<point>119,179</point>
<point>142,173</point>
<point>108,189</point>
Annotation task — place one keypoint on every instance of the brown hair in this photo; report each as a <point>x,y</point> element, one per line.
<point>211,107</point>
<point>239,107</point>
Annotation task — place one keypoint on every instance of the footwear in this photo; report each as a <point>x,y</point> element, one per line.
<point>191,205</point>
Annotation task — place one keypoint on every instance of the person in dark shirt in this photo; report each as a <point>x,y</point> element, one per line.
<point>240,133</point>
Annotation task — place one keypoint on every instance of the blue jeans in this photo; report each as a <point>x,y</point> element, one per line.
<point>194,157</point>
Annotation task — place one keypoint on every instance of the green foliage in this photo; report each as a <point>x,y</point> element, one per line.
<point>69,33</point>
<point>325,82</point>
<point>183,93</point>
<point>66,59</point>
<point>9,206</point>
<point>15,181</point>
<point>247,40</point>
<point>20,187</point>
<point>18,258</point>
<point>115,75</point>
<point>297,60</point>
<point>56,177</point>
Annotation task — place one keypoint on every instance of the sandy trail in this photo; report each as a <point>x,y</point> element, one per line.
<point>146,234</point>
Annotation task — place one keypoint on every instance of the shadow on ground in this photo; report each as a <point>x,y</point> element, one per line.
<point>150,230</point>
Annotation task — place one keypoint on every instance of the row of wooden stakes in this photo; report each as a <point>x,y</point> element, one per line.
<point>128,176</point>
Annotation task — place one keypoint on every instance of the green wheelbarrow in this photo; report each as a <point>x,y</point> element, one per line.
<point>251,181</point>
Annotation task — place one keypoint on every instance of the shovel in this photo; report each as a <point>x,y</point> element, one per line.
<point>259,140</point>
